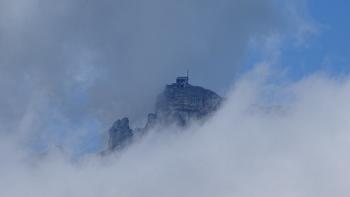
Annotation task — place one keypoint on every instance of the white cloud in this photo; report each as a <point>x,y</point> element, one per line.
<point>295,146</point>
<point>105,50</point>
<point>65,64</point>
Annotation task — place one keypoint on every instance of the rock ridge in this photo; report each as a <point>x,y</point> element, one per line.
<point>178,104</point>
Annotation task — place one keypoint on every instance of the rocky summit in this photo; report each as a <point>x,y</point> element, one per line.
<point>179,103</point>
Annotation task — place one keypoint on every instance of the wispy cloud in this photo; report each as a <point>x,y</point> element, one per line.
<point>69,68</point>
<point>294,146</point>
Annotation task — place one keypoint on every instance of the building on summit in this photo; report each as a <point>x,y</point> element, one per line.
<point>178,104</point>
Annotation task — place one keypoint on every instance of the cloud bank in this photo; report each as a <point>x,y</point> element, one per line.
<point>69,68</point>
<point>97,58</point>
<point>289,139</point>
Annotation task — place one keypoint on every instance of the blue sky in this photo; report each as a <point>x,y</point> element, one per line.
<point>327,50</point>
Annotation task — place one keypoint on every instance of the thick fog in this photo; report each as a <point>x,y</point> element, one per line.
<point>98,58</point>
<point>271,140</point>
<point>68,69</point>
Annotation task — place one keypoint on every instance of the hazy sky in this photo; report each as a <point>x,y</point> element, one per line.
<point>68,69</point>
<point>99,57</point>
<point>71,63</point>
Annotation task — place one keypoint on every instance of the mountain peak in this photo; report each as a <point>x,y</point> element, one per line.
<point>179,103</point>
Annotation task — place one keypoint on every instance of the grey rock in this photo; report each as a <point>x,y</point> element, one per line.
<point>120,134</point>
<point>151,121</point>
<point>178,104</point>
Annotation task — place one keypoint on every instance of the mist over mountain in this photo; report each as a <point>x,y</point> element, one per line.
<point>85,109</point>
<point>178,104</point>
<point>297,149</point>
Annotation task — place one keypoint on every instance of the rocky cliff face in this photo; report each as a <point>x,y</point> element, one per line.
<point>120,134</point>
<point>179,103</point>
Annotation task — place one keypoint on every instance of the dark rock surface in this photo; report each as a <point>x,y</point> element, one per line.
<point>120,134</point>
<point>179,103</point>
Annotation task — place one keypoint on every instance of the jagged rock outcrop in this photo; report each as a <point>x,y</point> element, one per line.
<point>179,103</point>
<point>120,134</point>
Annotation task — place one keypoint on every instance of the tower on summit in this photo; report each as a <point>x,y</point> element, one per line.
<point>182,81</point>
